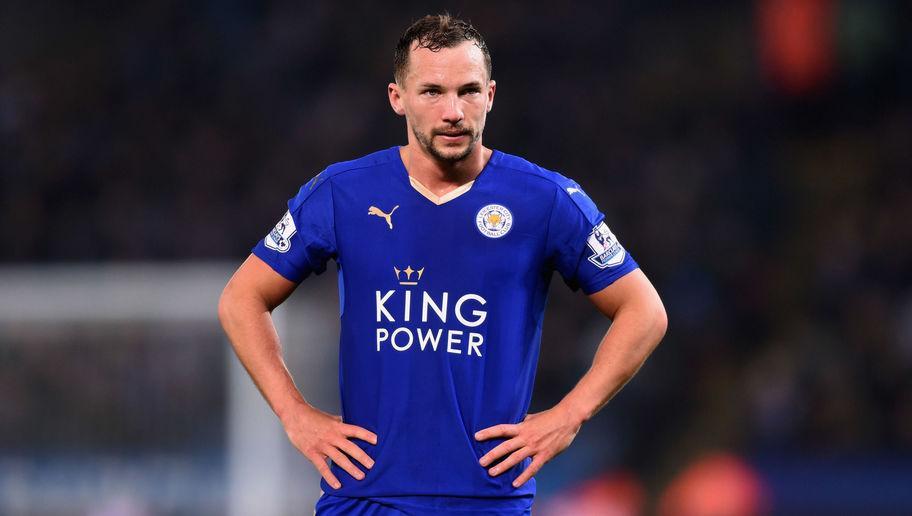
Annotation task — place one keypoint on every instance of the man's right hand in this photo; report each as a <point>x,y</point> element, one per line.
<point>320,436</point>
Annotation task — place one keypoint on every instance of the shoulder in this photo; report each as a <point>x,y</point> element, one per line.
<point>317,185</point>
<point>342,169</point>
<point>566,193</point>
<point>379,158</point>
<point>525,168</point>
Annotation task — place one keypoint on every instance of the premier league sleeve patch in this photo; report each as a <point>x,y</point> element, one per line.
<point>606,250</point>
<point>279,239</point>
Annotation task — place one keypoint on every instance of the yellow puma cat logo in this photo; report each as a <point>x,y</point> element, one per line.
<point>373,210</point>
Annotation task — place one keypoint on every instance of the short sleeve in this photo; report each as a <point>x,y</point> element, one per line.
<point>581,247</point>
<point>304,239</point>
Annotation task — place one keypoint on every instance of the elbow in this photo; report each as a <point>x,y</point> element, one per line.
<point>660,322</point>
<point>225,304</point>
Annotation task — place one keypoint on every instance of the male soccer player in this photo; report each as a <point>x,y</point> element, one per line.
<point>445,249</point>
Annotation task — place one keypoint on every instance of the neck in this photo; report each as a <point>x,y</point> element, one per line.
<point>441,177</point>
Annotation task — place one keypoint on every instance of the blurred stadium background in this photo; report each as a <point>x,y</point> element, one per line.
<point>755,156</point>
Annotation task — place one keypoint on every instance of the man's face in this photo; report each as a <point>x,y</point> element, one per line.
<point>445,97</point>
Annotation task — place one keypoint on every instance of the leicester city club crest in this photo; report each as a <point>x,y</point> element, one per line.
<point>494,221</point>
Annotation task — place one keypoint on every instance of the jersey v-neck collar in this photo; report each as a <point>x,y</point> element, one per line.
<point>439,199</point>
<point>425,192</point>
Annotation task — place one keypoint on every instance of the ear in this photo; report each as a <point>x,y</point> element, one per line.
<point>395,98</point>
<point>492,86</point>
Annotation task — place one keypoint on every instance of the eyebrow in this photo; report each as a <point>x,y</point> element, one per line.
<point>430,85</point>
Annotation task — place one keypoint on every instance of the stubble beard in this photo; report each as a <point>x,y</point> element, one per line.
<point>427,141</point>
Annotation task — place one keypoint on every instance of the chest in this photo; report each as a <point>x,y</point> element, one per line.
<point>391,232</point>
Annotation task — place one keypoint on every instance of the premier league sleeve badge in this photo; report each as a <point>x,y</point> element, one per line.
<point>606,250</point>
<point>279,239</point>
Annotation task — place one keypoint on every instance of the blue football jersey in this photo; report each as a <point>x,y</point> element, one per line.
<point>441,310</point>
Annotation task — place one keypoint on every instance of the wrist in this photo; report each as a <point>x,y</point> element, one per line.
<point>574,411</point>
<point>290,410</point>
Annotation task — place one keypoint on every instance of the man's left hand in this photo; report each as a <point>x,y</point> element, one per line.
<point>541,436</point>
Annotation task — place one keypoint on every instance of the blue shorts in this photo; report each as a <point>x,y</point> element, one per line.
<point>329,505</point>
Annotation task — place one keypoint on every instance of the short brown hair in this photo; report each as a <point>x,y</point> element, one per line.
<point>434,32</point>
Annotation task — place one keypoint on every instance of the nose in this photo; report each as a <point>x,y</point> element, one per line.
<point>452,110</point>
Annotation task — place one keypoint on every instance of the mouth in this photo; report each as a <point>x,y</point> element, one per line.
<point>453,136</point>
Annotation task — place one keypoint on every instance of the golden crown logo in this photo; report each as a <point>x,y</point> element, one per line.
<point>408,275</point>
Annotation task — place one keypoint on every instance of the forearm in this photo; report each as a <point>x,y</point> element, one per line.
<point>249,326</point>
<point>634,333</point>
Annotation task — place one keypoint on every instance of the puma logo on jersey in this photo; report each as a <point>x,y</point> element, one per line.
<point>373,210</point>
<point>572,190</point>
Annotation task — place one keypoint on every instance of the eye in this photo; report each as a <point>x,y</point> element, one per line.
<point>471,91</point>
<point>431,92</point>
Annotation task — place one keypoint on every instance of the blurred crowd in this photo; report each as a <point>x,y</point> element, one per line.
<point>80,389</point>
<point>755,157</point>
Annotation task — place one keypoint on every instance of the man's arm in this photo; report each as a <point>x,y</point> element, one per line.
<point>245,311</point>
<point>638,324</point>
